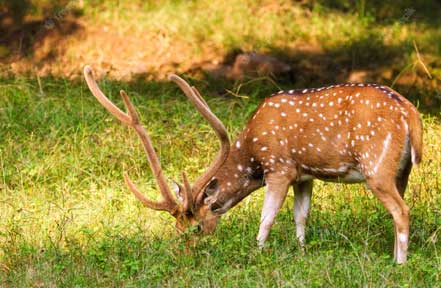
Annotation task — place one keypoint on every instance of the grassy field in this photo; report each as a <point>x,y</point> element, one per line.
<point>67,219</point>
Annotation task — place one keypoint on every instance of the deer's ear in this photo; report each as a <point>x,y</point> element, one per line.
<point>212,187</point>
<point>178,190</point>
<point>210,191</point>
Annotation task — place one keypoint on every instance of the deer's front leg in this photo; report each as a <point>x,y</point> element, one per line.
<point>276,189</point>
<point>302,202</point>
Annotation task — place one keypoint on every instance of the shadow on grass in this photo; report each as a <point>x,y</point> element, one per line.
<point>24,36</point>
<point>366,60</point>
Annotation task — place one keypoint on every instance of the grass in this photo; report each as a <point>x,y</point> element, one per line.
<point>67,219</point>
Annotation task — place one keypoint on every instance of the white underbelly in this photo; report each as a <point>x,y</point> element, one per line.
<point>351,176</point>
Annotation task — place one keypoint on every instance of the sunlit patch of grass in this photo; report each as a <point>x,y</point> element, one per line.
<point>193,21</point>
<point>66,218</point>
<point>253,25</point>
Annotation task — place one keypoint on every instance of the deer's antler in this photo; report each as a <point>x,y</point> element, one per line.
<point>195,97</point>
<point>189,193</point>
<point>131,119</point>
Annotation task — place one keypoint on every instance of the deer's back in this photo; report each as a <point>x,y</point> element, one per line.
<point>329,132</point>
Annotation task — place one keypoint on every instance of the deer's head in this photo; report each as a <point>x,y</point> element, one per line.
<point>189,207</point>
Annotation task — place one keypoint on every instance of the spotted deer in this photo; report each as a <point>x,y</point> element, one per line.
<point>344,133</point>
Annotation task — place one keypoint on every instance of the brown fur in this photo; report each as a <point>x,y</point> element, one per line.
<point>349,133</point>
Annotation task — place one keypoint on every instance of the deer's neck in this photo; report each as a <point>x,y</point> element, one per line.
<point>239,176</point>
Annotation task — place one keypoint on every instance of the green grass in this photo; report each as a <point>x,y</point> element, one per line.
<point>66,218</point>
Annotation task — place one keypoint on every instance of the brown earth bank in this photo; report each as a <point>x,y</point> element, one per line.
<point>62,47</point>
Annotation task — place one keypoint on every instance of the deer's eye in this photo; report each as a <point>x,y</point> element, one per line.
<point>215,206</point>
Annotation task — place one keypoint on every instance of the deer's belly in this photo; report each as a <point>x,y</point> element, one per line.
<point>348,176</point>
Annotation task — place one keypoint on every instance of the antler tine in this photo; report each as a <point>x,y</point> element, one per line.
<point>150,152</point>
<point>200,104</point>
<point>141,197</point>
<point>195,97</point>
<point>99,95</point>
<point>196,92</point>
<point>131,119</point>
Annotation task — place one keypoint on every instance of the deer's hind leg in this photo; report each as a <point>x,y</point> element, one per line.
<point>384,188</point>
<point>387,178</point>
